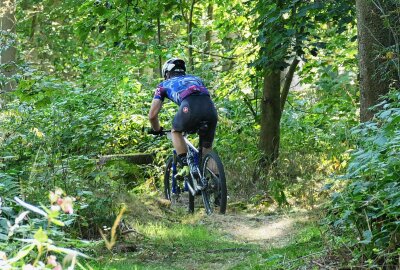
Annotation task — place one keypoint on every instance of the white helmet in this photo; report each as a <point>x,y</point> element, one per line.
<point>173,64</point>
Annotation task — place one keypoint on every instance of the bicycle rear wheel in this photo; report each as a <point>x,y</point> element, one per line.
<point>173,191</point>
<point>215,194</point>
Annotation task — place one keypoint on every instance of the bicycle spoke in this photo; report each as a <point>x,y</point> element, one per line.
<point>173,188</point>
<point>215,195</point>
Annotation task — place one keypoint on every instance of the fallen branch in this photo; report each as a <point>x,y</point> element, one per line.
<point>138,159</point>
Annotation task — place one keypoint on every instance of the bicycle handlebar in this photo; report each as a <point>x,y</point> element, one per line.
<point>163,132</point>
<point>150,131</point>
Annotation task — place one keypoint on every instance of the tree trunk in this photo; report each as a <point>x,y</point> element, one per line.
<point>190,36</point>
<point>8,55</point>
<point>372,36</point>
<point>159,44</point>
<point>270,117</point>
<point>210,14</point>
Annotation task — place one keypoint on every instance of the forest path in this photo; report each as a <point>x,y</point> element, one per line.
<point>263,230</point>
<point>257,241</point>
<point>236,240</point>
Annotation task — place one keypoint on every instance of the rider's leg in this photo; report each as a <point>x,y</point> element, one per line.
<point>208,138</point>
<point>178,142</point>
<point>180,147</point>
<point>181,150</point>
<point>179,124</point>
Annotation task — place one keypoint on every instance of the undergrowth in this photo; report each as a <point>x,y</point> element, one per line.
<point>364,216</point>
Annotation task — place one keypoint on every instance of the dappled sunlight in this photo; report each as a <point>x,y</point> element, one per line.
<point>265,231</point>
<point>252,228</point>
<point>165,231</point>
<point>155,230</point>
<point>301,119</point>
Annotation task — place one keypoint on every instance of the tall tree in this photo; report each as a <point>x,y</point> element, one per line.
<point>159,44</point>
<point>373,37</point>
<point>8,51</point>
<point>285,29</point>
<point>271,115</point>
<point>208,37</point>
<point>187,10</point>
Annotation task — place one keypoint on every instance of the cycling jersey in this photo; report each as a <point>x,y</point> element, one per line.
<point>178,88</point>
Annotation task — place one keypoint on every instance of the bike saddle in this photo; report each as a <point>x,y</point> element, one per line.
<point>203,127</point>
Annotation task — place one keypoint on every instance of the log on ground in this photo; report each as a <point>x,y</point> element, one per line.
<point>139,159</point>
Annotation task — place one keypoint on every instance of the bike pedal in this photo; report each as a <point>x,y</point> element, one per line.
<point>200,187</point>
<point>203,184</point>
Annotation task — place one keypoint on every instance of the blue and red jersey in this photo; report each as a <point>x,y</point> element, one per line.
<point>178,88</point>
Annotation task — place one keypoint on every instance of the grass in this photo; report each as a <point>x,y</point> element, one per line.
<point>296,254</point>
<point>178,246</point>
<point>193,245</point>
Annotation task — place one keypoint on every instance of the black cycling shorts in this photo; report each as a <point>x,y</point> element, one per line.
<point>193,110</point>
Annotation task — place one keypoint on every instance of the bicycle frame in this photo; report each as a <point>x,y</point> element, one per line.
<point>204,182</point>
<point>193,151</point>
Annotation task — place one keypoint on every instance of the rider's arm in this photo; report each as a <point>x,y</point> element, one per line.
<point>153,114</point>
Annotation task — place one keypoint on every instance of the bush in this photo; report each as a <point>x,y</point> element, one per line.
<point>52,134</point>
<point>36,242</point>
<point>366,214</point>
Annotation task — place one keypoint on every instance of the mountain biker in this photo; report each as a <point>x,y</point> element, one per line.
<point>195,106</point>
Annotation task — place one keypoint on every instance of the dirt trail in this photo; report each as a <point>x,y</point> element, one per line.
<point>264,231</point>
<point>245,237</point>
<point>275,230</point>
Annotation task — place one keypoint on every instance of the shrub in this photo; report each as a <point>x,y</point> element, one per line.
<point>366,214</point>
<point>36,243</point>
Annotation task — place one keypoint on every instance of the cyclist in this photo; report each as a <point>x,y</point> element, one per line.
<point>195,106</point>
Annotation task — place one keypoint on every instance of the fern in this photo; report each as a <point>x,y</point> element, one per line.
<point>8,186</point>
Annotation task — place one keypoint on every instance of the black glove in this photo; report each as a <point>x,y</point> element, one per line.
<point>158,132</point>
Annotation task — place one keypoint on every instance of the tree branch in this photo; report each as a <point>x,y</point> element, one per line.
<point>248,103</point>
<point>213,54</point>
<point>288,82</point>
<point>183,12</point>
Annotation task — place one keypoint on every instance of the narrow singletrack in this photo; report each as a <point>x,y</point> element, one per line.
<point>265,230</point>
<point>239,238</point>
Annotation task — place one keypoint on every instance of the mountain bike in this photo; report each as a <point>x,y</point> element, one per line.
<point>209,181</point>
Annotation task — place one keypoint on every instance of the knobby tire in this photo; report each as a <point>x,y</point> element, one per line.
<point>215,195</point>
<point>168,184</point>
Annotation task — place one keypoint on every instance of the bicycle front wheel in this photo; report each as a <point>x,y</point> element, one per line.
<point>215,194</point>
<point>168,182</point>
<point>173,188</point>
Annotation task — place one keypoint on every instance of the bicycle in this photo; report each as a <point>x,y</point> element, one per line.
<point>209,182</point>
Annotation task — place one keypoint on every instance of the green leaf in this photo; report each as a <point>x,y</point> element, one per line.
<point>367,237</point>
<point>57,222</point>
<point>22,253</point>
<point>41,236</point>
<point>3,237</point>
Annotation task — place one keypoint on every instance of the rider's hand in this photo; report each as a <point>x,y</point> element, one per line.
<point>157,132</point>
